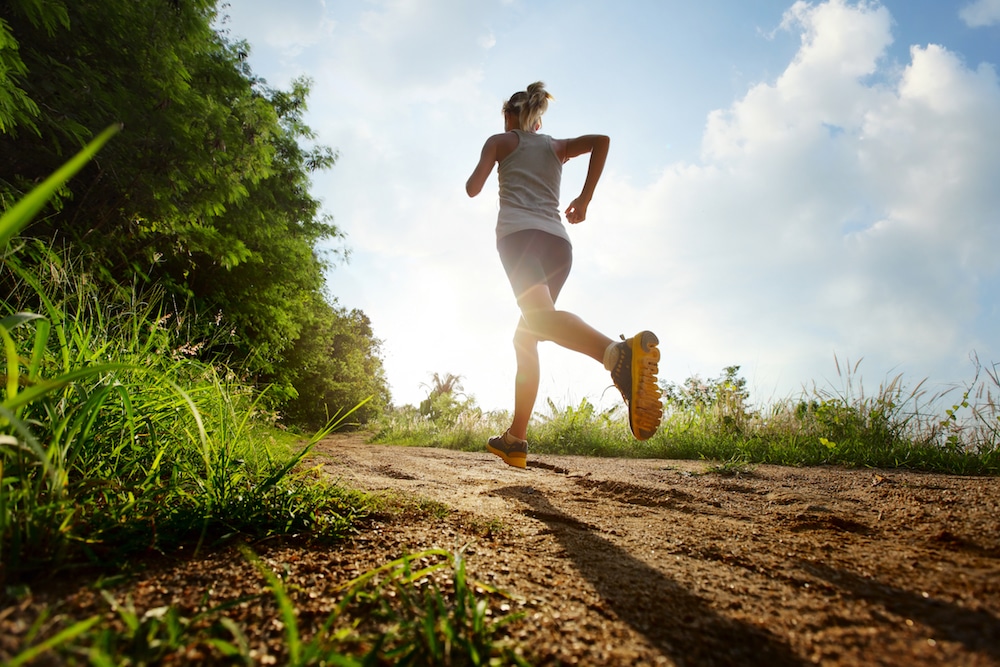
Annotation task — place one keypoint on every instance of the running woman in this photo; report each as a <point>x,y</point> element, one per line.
<point>536,254</point>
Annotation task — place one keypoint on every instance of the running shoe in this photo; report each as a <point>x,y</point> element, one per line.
<point>634,375</point>
<point>513,451</point>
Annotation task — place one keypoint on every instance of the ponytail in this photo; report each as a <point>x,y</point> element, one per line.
<point>529,105</point>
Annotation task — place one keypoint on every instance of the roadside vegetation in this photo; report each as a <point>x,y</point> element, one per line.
<point>118,444</point>
<point>894,427</point>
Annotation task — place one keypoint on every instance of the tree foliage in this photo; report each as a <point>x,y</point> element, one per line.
<point>445,400</point>
<point>205,192</point>
<point>333,368</point>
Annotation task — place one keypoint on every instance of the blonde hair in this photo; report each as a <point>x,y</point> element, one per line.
<point>529,105</point>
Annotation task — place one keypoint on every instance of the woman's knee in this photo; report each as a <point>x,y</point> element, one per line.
<point>524,339</point>
<point>543,324</point>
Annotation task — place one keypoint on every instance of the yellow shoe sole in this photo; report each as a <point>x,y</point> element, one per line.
<point>645,410</point>
<point>515,459</point>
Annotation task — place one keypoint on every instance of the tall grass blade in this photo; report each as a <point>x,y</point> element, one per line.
<point>338,419</point>
<point>37,391</point>
<point>285,605</point>
<point>27,442</point>
<point>52,642</point>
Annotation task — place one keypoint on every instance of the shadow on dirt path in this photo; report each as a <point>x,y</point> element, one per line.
<point>677,622</point>
<point>977,630</point>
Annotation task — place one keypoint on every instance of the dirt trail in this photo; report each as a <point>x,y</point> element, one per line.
<point>661,562</point>
<point>626,562</point>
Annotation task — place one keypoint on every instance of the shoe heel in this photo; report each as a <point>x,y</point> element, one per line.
<point>646,340</point>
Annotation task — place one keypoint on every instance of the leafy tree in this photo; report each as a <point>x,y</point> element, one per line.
<point>725,398</point>
<point>267,296</point>
<point>445,400</point>
<point>16,108</point>
<point>334,365</point>
<point>196,129</point>
<point>205,192</point>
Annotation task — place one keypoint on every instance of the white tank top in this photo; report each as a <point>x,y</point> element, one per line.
<point>529,187</point>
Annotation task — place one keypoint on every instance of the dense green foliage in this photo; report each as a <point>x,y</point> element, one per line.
<point>204,193</point>
<point>114,440</point>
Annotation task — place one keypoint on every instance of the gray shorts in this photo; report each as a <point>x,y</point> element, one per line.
<point>533,257</point>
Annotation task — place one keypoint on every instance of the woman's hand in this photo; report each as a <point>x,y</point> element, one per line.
<point>577,210</point>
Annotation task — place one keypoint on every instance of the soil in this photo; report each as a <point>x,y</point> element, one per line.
<point>624,562</point>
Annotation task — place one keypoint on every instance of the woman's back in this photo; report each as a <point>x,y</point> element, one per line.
<point>529,187</point>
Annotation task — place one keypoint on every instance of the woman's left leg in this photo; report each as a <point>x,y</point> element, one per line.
<point>526,381</point>
<point>541,321</point>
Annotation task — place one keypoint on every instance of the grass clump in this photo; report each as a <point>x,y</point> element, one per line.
<point>114,441</point>
<point>425,610</point>
<point>421,609</point>
<point>463,426</point>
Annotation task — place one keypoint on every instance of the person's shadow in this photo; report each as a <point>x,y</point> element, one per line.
<point>978,630</point>
<point>679,623</point>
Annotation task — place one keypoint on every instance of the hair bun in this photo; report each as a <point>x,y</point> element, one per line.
<point>536,91</point>
<point>529,105</point>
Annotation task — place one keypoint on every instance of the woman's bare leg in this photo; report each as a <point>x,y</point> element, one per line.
<point>526,380</point>
<point>541,321</point>
<point>559,326</point>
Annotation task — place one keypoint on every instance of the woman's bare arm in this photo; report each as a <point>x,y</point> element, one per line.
<point>495,150</point>
<point>487,158</point>
<point>597,145</point>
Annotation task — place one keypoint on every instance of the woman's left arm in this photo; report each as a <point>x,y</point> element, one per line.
<point>597,145</point>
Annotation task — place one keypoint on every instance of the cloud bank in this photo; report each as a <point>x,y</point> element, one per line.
<point>848,208</point>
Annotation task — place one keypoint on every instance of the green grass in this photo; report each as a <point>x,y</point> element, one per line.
<point>422,609</point>
<point>115,441</point>
<point>895,427</point>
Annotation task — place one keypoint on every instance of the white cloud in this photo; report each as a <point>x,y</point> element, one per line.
<point>829,214</point>
<point>288,29</point>
<point>981,13</point>
<point>444,40</point>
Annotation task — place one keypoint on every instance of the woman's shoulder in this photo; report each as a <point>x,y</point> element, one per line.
<point>504,143</point>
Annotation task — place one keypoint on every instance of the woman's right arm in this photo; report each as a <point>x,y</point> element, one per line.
<point>495,150</point>
<point>487,158</point>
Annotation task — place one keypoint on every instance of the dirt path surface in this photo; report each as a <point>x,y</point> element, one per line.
<point>628,562</point>
<point>622,562</point>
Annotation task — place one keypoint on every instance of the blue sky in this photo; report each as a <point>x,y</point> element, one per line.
<point>789,183</point>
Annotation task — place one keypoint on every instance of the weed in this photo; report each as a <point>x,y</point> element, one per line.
<point>737,466</point>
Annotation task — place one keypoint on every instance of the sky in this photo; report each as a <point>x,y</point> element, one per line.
<point>792,187</point>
